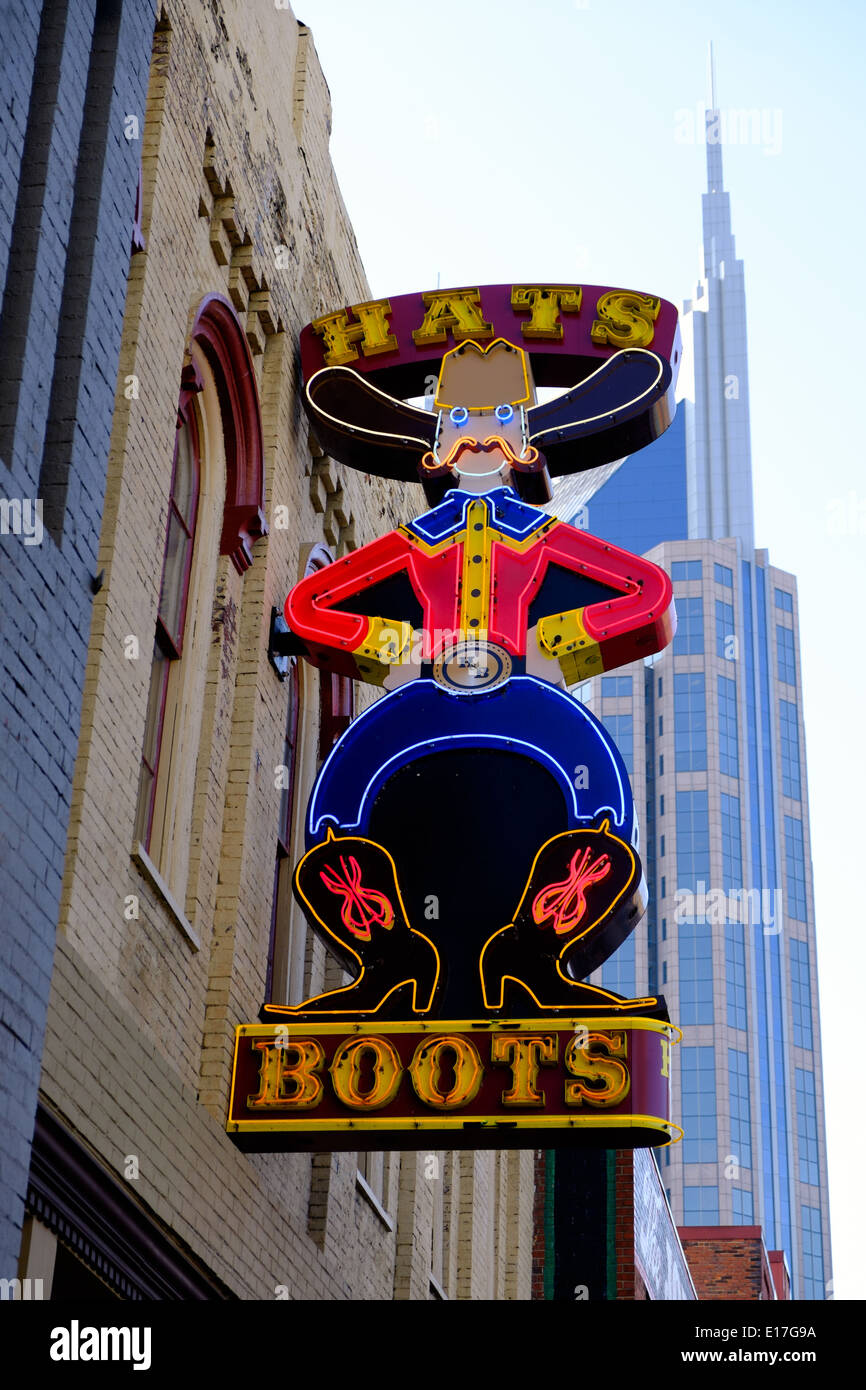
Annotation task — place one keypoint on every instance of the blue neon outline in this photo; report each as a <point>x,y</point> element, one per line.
<point>504,419</point>
<point>448,521</point>
<point>472,739</point>
<point>461,411</point>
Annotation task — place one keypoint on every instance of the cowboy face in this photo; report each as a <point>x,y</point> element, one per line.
<point>481,444</point>
<point>481,399</point>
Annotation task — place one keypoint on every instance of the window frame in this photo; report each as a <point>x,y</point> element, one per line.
<point>171,647</point>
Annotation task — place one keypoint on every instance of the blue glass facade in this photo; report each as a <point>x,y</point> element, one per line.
<point>787,664</point>
<point>700,1206</point>
<point>732,844</point>
<point>729,743</point>
<point>795,869</point>
<point>725,645</point>
<point>807,1127</point>
<point>690,722</point>
<point>696,972</point>
<point>801,994</point>
<point>735,974</point>
<point>619,973</point>
<point>790,743</point>
<point>744,1207</point>
<point>693,840</point>
<point>689,636</point>
<point>741,1119</point>
<point>617,686</point>
<point>621,729</point>
<point>698,1071</point>
<point>645,502</point>
<point>772,942</point>
<point>813,1253</point>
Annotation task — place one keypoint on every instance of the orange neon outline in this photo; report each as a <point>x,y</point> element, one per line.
<point>430,464</point>
<point>611,1000</point>
<point>290,1010</point>
<point>510,1097</point>
<point>455,1041</point>
<point>585,1095</point>
<point>264,1046</point>
<point>369,1101</point>
<point>483,351</point>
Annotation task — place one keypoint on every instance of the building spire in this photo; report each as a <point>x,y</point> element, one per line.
<point>713,130</point>
<point>718,237</point>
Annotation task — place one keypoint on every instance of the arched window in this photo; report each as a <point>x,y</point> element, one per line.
<point>173,596</point>
<point>215,508</point>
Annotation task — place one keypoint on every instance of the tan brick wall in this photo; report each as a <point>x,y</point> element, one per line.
<point>237,180</point>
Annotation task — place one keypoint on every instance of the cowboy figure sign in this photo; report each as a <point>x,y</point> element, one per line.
<point>472,841</point>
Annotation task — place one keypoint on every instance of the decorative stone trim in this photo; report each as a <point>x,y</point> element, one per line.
<point>223,341</point>
<point>78,1199</point>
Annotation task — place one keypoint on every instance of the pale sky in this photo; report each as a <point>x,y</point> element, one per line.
<point>489,141</point>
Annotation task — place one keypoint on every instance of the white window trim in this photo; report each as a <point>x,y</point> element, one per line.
<point>366,1190</point>
<point>154,877</point>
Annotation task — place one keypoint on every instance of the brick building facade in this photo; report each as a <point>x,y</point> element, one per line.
<point>731,1262</point>
<point>70,74</point>
<point>176,799</point>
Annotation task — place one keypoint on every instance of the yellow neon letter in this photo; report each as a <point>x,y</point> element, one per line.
<point>545,303</point>
<point>455,311</point>
<point>287,1075</point>
<point>346,1073</point>
<point>371,331</point>
<point>666,1057</point>
<point>625,319</point>
<point>525,1055</point>
<point>605,1081</point>
<point>426,1066</point>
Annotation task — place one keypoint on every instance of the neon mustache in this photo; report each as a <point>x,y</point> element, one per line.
<point>469,445</point>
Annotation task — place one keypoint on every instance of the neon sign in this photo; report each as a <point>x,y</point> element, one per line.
<point>517,1086</point>
<point>471,839</point>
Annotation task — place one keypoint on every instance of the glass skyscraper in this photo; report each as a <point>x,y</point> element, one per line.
<point>712,733</point>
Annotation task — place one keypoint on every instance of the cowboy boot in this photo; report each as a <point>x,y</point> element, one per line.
<point>584,895</point>
<point>348,889</point>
